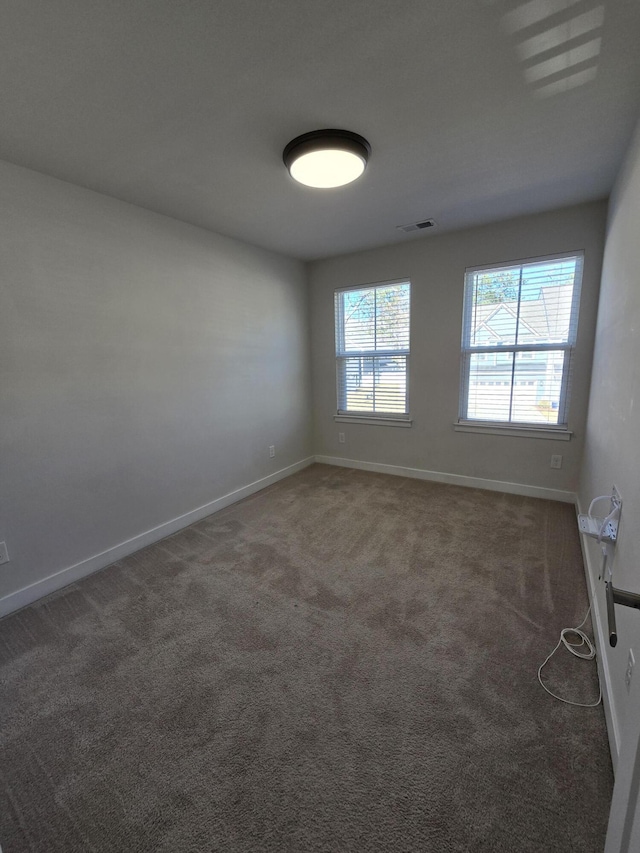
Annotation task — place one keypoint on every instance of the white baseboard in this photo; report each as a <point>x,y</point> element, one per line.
<point>452,479</point>
<point>28,594</point>
<point>600,636</point>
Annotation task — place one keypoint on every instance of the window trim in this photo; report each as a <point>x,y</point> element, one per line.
<point>362,416</point>
<point>378,420</point>
<point>561,429</point>
<point>521,430</point>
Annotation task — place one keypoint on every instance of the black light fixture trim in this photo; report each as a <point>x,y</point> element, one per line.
<point>321,140</point>
<point>317,140</point>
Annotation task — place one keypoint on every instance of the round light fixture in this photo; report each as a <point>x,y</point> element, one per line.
<point>326,158</point>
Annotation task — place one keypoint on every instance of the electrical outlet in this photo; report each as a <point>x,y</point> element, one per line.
<point>341,437</point>
<point>272,451</point>
<point>631,662</point>
<point>556,461</point>
<point>4,554</point>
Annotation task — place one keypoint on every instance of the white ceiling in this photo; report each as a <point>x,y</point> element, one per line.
<point>184,107</point>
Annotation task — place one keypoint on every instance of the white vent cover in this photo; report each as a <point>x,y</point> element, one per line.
<point>417,226</point>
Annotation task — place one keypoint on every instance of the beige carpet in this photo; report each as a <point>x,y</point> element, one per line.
<point>345,661</point>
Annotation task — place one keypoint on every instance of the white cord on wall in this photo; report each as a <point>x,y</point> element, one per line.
<point>575,649</point>
<point>595,501</point>
<point>615,509</point>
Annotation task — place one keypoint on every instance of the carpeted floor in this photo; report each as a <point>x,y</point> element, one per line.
<point>345,661</point>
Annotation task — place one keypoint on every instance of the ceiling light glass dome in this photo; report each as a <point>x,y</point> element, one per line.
<point>327,158</point>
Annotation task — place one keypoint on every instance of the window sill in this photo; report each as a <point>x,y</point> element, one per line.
<point>367,419</point>
<point>523,432</point>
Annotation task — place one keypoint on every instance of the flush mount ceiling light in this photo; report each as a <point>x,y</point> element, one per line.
<point>326,158</point>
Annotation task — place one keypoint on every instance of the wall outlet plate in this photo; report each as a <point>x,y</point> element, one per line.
<point>631,662</point>
<point>616,500</point>
<point>592,525</point>
<point>4,554</point>
<point>599,527</point>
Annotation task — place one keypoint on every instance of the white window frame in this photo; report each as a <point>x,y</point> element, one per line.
<point>559,430</point>
<point>343,414</point>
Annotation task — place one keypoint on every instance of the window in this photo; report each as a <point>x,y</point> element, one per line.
<point>372,350</point>
<point>518,336</point>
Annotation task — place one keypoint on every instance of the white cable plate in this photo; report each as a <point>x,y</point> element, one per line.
<point>591,526</point>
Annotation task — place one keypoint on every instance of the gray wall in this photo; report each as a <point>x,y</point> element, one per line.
<point>436,266</point>
<point>612,449</point>
<point>145,368</point>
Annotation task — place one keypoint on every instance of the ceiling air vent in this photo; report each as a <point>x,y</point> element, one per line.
<point>417,226</point>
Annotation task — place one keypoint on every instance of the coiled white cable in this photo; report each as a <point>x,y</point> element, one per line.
<point>605,521</point>
<point>574,648</point>
<point>595,501</point>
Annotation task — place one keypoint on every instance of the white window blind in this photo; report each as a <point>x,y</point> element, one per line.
<point>372,349</point>
<point>518,336</point>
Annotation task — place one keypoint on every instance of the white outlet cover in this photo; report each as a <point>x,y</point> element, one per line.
<point>4,554</point>
<point>631,662</point>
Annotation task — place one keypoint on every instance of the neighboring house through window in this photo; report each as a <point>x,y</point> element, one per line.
<point>519,332</point>
<point>372,350</point>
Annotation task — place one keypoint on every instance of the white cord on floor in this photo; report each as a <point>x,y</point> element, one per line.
<point>574,648</point>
